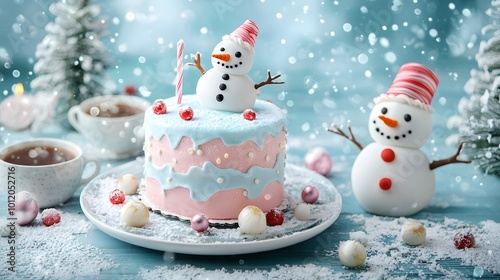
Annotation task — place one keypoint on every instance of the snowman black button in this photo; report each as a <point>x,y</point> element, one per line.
<point>219,97</point>
<point>222,86</point>
<point>225,77</point>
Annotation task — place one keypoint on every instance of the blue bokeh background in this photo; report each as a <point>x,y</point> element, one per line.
<point>323,48</point>
<point>334,56</point>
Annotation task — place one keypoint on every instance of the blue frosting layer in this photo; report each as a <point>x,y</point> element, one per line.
<point>208,124</point>
<point>204,182</point>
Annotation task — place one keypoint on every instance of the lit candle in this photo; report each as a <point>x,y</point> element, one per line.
<point>180,74</point>
<point>16,111</point>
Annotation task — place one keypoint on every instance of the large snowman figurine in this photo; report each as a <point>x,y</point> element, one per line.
<point>227,87</point>
<point>392,177</point>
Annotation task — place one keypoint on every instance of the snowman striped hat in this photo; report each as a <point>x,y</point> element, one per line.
<point>414,84</point>
<point>245,35</point>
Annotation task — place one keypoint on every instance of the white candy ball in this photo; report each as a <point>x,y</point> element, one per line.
<point>252,220</point>
<point>413,233</point>
<point>26,208</point>
<point>135,214</point>
<point>352,253</point>
<point>129,184</point>
<point>302,211</point>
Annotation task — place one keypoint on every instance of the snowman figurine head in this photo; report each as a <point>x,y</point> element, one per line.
<point>403,116</point>
<point>234,54</point>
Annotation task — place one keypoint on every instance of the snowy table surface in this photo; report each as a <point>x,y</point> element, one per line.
<point>464,199</point>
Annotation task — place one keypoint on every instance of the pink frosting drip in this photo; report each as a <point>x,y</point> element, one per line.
<point>222,205</point>
<point>240,157</point>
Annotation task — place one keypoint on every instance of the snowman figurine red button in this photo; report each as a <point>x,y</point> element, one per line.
<point>227,87</point>
<point>391,176</point>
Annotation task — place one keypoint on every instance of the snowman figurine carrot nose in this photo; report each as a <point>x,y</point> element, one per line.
<point>388,121</point>
<point>222,56</point>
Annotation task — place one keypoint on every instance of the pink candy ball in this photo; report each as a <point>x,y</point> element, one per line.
<point>26,208</point>
<point>199,222</point>
<point>310,194</point>
<point>317,159</point>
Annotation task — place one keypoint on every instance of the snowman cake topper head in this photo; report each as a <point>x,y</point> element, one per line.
<point>227,87</point>
<point>234,54</point>
<point>403,116</point>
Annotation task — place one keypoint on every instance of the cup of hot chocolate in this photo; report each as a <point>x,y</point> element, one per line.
<point>48,168</point>
<point>112,124</point>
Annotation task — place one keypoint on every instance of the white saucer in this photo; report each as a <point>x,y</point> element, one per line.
<point>107,154</point>
<point>172,235</point>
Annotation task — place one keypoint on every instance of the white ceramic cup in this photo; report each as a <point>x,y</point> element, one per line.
<point>114,137</point>
<point>51,184</point>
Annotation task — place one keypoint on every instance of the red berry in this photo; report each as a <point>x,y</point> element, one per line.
<point>50,217</point>
<point>130,90</point>
<point>463,241</point>
<point>159,107</point>
<point>117,196</point>
<point>186,113</point>
<point>275,217</point>
<point>249,115</point>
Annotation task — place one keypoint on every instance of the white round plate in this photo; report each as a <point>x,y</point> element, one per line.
<point>173,235</point>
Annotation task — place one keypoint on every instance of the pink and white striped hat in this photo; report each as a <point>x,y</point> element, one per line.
<point>414,84</point>
<point>245,35</point>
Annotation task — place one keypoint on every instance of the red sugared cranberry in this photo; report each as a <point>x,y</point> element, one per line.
<point>130,90</point>
<point>50,217</point>
<point>249,115</point>
<point>463,241</point>
<point>117,196</point>
<point>186,113</point>
<point>159,107</point>
<point>275,217</point>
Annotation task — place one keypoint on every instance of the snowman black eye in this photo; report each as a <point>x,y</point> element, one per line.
<point>222,49</point>
<point>407,117</point>
<point>237,54</point>
<point>384,110</point>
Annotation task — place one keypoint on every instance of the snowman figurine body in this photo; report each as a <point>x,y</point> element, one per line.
<point>391,176</point>
<point>226,86</point>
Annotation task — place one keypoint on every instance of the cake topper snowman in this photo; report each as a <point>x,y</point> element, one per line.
<point>391,176</point>
<point>227,87</point>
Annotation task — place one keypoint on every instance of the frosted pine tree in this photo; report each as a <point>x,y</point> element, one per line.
<point>479,120</point>
<point>71,60</point>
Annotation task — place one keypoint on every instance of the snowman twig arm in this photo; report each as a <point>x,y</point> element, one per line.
<point>340,132</point>
<point>453,159</point>
<point>197,62</point>
<point>269,81</point>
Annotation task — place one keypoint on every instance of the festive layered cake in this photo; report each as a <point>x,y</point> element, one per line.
<point>217,163</point>
<point>219,150</point>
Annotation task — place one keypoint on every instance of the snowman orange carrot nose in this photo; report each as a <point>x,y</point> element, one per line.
<point>388,121</point>
<point>222,56</point>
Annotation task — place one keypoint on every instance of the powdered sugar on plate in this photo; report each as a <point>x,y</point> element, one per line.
<point>171,234</point>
